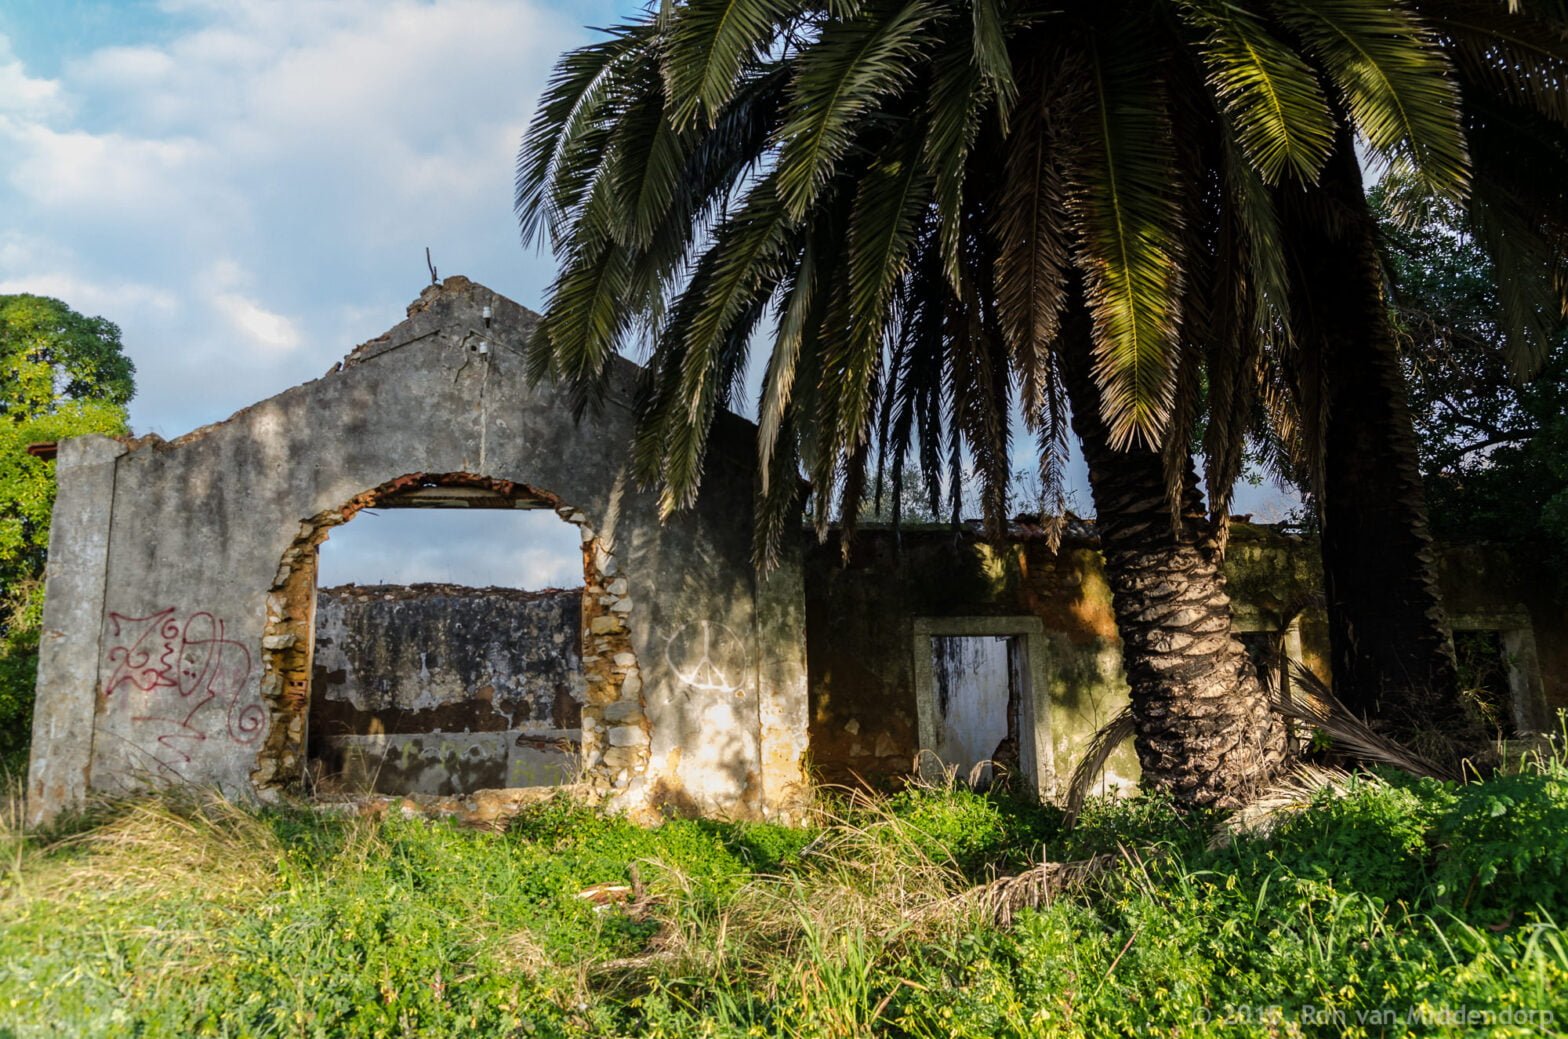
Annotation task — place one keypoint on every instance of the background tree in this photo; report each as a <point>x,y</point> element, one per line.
<point>1493,447</point>
<point>62,374</point>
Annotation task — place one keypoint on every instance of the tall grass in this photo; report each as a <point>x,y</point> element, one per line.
<point>1386,905</point>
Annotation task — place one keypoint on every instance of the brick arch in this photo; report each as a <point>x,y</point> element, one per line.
<point>615,736</point>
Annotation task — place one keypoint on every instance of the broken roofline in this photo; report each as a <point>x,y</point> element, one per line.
<point>509,331</point>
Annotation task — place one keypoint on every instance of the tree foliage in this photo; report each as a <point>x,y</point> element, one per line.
<point>62,374</point>
<point>1494,446</point>
<point>914,191</point>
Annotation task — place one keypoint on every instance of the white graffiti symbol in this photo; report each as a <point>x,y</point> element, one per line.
<point>704,654</point>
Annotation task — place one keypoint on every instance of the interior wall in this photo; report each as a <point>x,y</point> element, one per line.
<point>445,689</point>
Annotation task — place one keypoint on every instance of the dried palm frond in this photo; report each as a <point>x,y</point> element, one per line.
<point>1037,886</point>
<point>1314,703</point>
<point>1293,793</point>
<point>1110,736</point>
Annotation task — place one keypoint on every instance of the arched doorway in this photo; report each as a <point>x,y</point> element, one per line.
<point>459,679</point>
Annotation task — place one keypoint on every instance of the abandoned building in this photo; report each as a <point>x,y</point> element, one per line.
<point>186,639</point>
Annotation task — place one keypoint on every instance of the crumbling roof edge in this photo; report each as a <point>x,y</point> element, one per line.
<point>405,333</point>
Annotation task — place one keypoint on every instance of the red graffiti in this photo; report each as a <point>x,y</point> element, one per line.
<point>180,668</point>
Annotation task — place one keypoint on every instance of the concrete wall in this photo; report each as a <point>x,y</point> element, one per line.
<point>197,668</point>
<point>863,620</point>
<point>443,689</point>
<point>865,658</point>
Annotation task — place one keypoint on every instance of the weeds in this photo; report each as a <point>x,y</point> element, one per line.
<point>935,912</point>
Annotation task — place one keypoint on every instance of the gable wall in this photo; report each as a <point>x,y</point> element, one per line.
<point>191,638</point>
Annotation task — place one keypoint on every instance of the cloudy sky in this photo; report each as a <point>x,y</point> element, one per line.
<point>247,187</point>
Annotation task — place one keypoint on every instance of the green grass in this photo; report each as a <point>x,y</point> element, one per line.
<point>192,917</point>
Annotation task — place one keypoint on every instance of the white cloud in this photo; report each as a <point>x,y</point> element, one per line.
<point>24,95</point>
<point>125,68</point>
<point>29,264</point>
<point>227,285</point>
<point>265,328</point>
<point>251,196</point>
<point>101,174</point>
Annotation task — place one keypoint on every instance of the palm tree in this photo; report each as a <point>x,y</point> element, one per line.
<point>944,205</point>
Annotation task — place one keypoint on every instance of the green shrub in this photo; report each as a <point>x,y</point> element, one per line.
<point>1372,839</point>
<point>972,831</point>
<point>1504,845</point>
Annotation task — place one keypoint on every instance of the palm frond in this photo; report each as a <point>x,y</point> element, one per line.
<point>584,319</point>
<point>1270,95</point>
<point>1513,54</point>
<point>915,386</point>
<point>776,514</point>
<point>649,158</point>
<point>982,399</point>
<point>1394,80</point>
<point>1087,772</point>
<point>795,316</point>
<point>568,131</point>
<point>890,201</point>
<point>1033,251</point>
<point>1313,702</point>
<point>959,93</point>
<point>1123,199</point>
<point>1299,789</point>
<point>719,161</point>
<point>853,66</point>
<point>991,56</point>
<point>710,42</point>
<point>701,352</point>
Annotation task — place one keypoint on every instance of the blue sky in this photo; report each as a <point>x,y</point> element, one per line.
<point>248,186</point>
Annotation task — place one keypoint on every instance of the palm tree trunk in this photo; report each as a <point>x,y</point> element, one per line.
<point>1391,651</point>
<point>1205,730</point>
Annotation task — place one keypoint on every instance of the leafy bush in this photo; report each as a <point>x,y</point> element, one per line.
<point>1505,845</point>
<point>1371,839</point>
<point>970,830</point>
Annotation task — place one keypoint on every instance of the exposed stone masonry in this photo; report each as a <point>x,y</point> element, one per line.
<point>614,724</point>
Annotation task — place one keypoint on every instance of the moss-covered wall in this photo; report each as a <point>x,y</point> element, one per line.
<point>860,641</point>
<point>861,613</point>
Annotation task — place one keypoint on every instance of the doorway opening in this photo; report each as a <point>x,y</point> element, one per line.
<point>1484,679</point>
<point>454,633</point>
<point>975,699</point>
<point>1500,671</point>
<point>979,685</point>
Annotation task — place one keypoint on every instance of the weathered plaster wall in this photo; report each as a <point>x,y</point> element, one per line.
<point>860,642</point>
<point>861,615</point>
<point>443,689</point>
<point>201,674</point>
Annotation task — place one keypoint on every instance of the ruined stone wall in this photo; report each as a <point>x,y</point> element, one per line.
<point>444,689</point>
<point>179,630</point>
<point>861,642</point>
<point>862,617</point>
